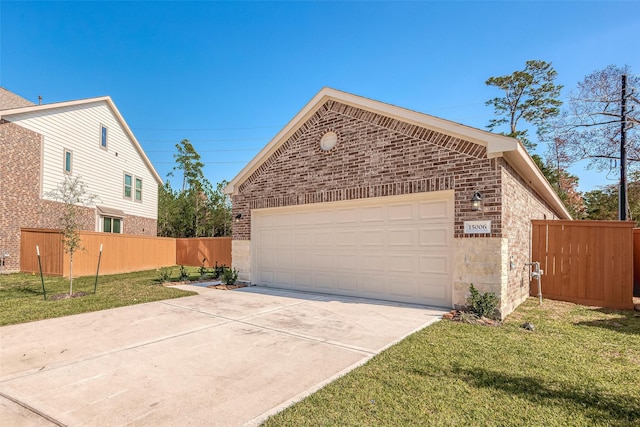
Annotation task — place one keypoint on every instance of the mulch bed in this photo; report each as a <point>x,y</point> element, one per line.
<point>467,317</point>
<point>226,287</point>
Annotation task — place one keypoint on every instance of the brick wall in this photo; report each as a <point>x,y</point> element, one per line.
<point>140,226</point>
<point>20,189</point>
<point>375,156</point>
<point>520,205</point>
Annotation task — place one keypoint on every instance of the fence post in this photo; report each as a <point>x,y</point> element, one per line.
<point>95,285</point>
<point>44,291</point>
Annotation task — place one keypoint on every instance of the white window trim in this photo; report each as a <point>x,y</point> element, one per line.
<point>64,161</point>
<point>106,146</point>
<point>102,218</point>
<point>124,184</point>
<point>136,178</point>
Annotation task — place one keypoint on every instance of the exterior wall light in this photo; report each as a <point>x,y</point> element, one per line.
<point>238,216</point>
<point>476,202</point>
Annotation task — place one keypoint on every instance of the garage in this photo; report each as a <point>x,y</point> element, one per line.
<point>361,198</point>
<point>393,248</point>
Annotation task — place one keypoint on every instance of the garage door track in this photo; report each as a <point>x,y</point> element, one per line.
<point>226,358</point>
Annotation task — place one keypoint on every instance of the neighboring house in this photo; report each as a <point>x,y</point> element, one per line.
<point>87,138</point>
<point>357,197</point>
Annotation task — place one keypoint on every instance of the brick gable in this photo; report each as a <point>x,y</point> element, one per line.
<point>375,156</point>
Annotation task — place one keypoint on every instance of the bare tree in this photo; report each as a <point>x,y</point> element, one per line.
<point>590,128</point>
<point>73,194</point>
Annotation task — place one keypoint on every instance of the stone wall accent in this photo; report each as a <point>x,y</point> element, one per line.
<point>479,262</point>
<point>241,258</point>
<point>375,156</point>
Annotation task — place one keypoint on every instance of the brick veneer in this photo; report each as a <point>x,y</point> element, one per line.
<point>381,156</point>
<point>21,205</point>
<point>375,156</point>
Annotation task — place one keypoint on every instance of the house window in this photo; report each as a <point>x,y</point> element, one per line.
<point>111,225</point>
<point>138,189</point>
<point>128,179</point>
<point>68,159</point>
<point>103,137</point>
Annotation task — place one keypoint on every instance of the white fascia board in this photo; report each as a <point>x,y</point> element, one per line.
<point>110,103</point>
<point>522,162</point>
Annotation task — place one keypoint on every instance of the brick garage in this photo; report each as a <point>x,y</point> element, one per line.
<point>334,220</point>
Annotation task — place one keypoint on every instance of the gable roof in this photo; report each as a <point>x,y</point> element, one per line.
<point>9,99</point>
<point>496,145</point>
<point>44,107</point>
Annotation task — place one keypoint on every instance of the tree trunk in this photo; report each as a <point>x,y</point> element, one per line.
<point>71,274</point>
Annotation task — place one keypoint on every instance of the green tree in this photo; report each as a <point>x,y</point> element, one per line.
<point>198,210</point>
<point>74,195</point>
<point>602,204</point>
<point>529,95</point>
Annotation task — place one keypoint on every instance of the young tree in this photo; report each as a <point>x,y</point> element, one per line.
<point>530,95</point>
<point>74,195</point>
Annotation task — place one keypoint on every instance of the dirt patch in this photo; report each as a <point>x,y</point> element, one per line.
<point>67,296</point>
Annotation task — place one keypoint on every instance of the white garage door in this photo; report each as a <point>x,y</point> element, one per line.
<point>396,248</point>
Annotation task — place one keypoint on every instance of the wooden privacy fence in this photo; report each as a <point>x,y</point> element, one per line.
<point>585,262</point>
<point>213,250</point>
<point>121,253</point>
<point>51,251</point>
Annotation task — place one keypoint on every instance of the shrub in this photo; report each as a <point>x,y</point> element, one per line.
<point>484,305</point>
<point>184,274</point>
<point>164,276</point>
<point>229,276</point>
<point>218,270</point>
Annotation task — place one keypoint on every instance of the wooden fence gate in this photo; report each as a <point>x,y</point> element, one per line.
<point>585,262</point>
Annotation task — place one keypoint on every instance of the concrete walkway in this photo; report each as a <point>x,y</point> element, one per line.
<point>221,358</point>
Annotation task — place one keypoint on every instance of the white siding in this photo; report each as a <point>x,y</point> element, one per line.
<point>77,128</point>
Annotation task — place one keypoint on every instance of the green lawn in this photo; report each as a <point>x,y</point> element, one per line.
<point>21,296</point>
<point>581,367</point>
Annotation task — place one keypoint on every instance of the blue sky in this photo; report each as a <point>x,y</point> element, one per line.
<point>229,75</point>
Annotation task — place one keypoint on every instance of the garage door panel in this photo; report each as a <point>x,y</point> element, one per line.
<point>402,263</point>
<point>323,238</point>
<point>347,238</point>
<point>372,238</point>
<point>402,237</point>
<point>434,264</point>
<point>285,278</point>
<point>397,248</point>
<point>346,216</point>
<point>434,236</point>
<point>323,282</point>
<point>434,210</point>
<point>321,261</point>
<point>346,261</point>
<point>371,262</point>
<point>401,212</point>
<point>372,286</point>
<point>372,214</point>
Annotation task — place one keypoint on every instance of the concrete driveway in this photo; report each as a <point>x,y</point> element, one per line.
<point>221,358</point>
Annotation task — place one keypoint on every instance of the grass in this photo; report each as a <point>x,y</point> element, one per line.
<point>21,296</point>
<point>580,367</point>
